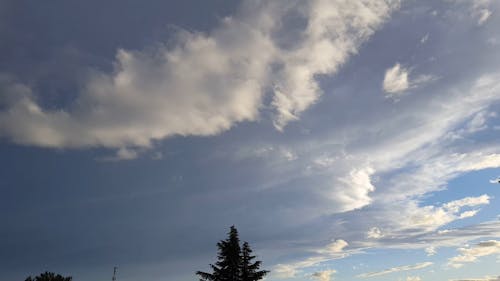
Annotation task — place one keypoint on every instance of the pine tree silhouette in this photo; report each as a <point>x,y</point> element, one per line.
<point>249,269</point>
<point>233,264</point>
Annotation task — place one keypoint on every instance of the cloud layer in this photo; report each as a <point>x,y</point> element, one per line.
<point>202,84</point>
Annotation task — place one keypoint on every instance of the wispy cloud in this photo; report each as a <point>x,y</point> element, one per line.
<point>483,16</point>
<point>487,278</point>
<point>471,254</point>
<point>325,275</point>
<point>431,251</point>
<point>396,269</point>
<point>479,9</point>
<point>397,79</point>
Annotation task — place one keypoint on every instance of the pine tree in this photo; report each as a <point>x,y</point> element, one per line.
<point>227,267</point>
<point>249,269</point>
<point>233,263</point>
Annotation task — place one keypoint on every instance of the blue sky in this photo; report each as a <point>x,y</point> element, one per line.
<point>346,140</point>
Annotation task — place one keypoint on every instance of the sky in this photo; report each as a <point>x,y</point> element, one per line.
<point>346,140</point>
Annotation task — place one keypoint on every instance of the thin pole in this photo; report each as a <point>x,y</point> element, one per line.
<point>114,273</point>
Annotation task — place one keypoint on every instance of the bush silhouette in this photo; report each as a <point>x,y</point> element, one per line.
<point>49,276</point>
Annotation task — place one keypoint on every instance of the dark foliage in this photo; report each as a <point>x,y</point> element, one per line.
<point>49,276</point>
<point>249,269</point>
<point>233,263</point>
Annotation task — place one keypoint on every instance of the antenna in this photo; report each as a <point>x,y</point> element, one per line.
<point>114,273</point>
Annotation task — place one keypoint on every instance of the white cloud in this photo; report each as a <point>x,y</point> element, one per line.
<point>334,32</point>
<point>290,270</point>
<point>479,9</point>
<point>334,250</point>
<point>121,154</point>
<point>396,269</point>
<point>486,278</point>
<point>461,236</point>
<point>374,233</point>
<point>468,214</point>
<point>422,79</point>
<point>454,206</point>
<point>272,153</point>
<point>325,275</point>
<point>284,271</point>
<point>471,254</point>
<point>429,218</point>
<point>203,84</point>
<point>325,161</point>
<point>484,15</point>
<point>288,154</point>
<point>356,190</point>
<point>424,38</point>
<point>413,278</point>
<point>396,79</point>
<point>200,87</point>
<point>336,246</point>
<point>478,122</point>
<point>431,251</point>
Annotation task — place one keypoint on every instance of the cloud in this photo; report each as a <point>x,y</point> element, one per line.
<point>396,79</point>
<point>396,269</point>
<point>486,278</point>
<point>122,154</point>
<point>325,275</point>
<point>471,254</point>
<point>284,271</point>
<point>290,270</point>
<point>334,250</point>
<point>197,88</point>
<point>424,38</point>
<point>374,233</point>
<point>431,251</point>
<point>358,185</point>
<point>461,236</point>
<point>484,15</point>
<point>479,122</point>
<point>431,217</point>
<point>479,9</point>
<point>394,170</point>
<point>454,206</point>
<point>419,160</point>
<point>468,214</point>
<point>413,278</point>
<point>202,84</point>
<point>336,246</point>
<point>334,32</point>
